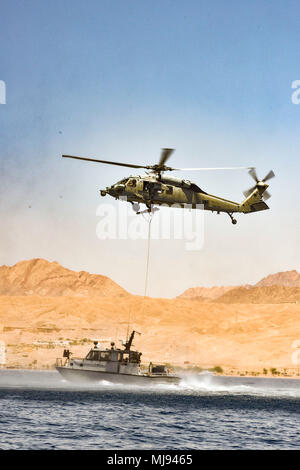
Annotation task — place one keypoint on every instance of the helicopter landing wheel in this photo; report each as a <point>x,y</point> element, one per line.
<point>233,220</point>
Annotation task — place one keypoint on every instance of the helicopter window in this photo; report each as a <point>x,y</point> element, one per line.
<point>169,190</point>
<point>132,182</point>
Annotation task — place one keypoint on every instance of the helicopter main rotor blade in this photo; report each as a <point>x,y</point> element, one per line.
<point>225,168</point>
<point>249,191</point>
<point>165,155</point>
<point>266,195</point>
<point>105,161</point>
<point>270,175</point>
<point>252,173</point>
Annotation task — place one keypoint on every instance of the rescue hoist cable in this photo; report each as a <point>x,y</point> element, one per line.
<point>130,319</point>
<point>148,255</point>
<point>151,214</point>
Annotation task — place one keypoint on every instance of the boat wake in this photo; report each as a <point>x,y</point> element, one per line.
<point>207,382</point>
<point>204,383</point>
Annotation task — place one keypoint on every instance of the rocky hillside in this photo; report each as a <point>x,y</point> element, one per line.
<point>261,295</point>
<point>275,288</point>
<point>205,293</point>
<point>286,278</point>
<point>41,277</point>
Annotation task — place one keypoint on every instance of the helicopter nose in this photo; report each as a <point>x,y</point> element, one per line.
<point>107,190</point>
<point>118,188</point>
<point>114,190</point>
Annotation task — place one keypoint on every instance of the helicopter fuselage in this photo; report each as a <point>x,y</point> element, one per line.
<point>175,192</point>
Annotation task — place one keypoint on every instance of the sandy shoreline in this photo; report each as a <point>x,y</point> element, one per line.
<point>179,372</point>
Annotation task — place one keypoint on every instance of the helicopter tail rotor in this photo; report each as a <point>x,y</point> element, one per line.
<point>260,184</point>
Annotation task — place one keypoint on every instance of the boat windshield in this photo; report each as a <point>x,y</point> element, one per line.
<point>98,355</point>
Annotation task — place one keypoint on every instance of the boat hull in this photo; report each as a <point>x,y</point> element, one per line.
<point>92,376</point>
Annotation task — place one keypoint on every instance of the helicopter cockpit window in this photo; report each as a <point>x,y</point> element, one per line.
<point>132,182</point>
<point>169,190</point>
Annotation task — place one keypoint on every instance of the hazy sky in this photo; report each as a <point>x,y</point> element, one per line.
<point>118,80</point>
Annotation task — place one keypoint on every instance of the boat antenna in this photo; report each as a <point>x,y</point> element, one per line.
<point>129,342</point>
<point>128,325</point>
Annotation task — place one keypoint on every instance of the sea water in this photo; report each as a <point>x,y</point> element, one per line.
<point>40,410</point>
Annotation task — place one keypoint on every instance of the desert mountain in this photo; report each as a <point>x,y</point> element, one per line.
<point>205,293</point>
<point>44,278</point>
<point>41,277</point>
<point>261,295</point>
<point>286,278</point>
<point>275,288</point>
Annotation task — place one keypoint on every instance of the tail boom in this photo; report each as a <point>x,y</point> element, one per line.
<point>254,202</point>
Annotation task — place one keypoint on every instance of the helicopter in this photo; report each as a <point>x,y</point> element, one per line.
<point>156,188</point>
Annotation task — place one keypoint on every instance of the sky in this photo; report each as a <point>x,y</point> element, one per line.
<point>119,80</point>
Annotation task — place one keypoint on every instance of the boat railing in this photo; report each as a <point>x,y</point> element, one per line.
<point>61,361</point>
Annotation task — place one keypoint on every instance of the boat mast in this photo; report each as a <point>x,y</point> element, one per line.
<point>129,342</point>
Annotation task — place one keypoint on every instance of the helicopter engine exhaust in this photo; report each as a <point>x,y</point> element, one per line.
<point>175,181</point>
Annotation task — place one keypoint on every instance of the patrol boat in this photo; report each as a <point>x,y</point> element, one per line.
<point>114,365</point>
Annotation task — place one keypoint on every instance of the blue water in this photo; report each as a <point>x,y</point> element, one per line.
<point>39,410</point>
